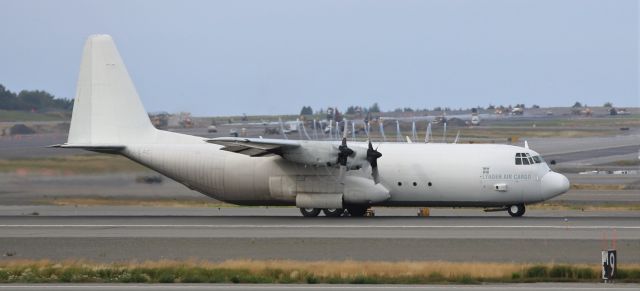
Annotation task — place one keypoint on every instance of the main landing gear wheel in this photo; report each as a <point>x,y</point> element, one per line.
<point>357,211</point>
<point>516,210</point>
<point>310,212</point>
<point>333,212</point>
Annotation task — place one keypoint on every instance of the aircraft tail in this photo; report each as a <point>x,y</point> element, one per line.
<point>107,110</point>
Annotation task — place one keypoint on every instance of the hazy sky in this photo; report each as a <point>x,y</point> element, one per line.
<point>273,57</point>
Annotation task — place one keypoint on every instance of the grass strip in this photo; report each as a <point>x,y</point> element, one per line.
<point>68,165</point>
<point>284,271</point>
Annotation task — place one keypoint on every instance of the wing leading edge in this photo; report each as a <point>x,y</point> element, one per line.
<point>255,147</point>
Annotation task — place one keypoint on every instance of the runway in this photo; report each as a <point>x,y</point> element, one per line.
<point>295,287</point>
<point>569,237</point>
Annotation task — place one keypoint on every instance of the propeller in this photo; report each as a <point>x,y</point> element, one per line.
<point>372,157</point>
<point>344,152</point>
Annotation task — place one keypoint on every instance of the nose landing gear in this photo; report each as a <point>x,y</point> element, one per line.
<point>516,210</point>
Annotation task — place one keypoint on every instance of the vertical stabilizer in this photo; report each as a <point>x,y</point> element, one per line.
<point>106,109</point>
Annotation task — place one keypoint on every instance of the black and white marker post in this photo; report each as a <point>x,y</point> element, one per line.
<point>609,260</point>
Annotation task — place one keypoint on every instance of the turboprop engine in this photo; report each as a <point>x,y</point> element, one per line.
<point>353,190</point>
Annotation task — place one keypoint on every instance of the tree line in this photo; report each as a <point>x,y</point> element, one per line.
<point>36,100</point>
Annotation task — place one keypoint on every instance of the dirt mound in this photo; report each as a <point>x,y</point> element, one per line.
<point>20,129</point>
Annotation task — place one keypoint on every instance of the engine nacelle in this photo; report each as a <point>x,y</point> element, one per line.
<point>359,190</point>
<point>330,201</point>
<point>325,154</point>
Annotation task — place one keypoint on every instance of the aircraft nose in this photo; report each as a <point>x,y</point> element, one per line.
<point>554,184</point>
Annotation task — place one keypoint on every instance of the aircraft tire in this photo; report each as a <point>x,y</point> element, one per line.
<point>516,210</point>
<point>333,212</point>
<point>357,210</point>
<point>310,212</point>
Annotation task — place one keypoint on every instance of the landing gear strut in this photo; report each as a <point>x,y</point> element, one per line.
<point>516,210</point>
<point>310,212</point>
<point>357,210</point>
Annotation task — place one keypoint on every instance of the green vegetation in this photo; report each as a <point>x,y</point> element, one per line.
<point>306,110</point>
<point>21,116</point>
<point>32,101</point>
<point>341,272</point>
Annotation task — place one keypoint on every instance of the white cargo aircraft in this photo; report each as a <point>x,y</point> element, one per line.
<point>315,176</point>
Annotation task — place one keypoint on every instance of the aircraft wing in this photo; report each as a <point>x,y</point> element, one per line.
<point>255,147</point>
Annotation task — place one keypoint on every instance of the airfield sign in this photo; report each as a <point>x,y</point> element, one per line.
<point>609,259</point>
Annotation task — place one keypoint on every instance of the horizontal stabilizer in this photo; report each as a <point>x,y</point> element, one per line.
<point>94,148</point>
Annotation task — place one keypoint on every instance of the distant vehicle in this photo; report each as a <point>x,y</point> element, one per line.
<point>618,111</point>
<point>153,179</point>
<point>517,111</point>
<point>233,132</point>
<point>272,131</point>
<point>291,127</point>
<point>475,120</point>
<point>584,112</point>
<point>549,113</point>
<point>212,128</point>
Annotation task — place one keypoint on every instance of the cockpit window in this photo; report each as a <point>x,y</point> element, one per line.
<point>537,159</point>
<point>527,159</point>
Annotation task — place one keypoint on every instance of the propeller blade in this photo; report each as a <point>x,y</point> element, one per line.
<point>457,136</point>
<point>344,152</point>
<point>375,175</point>
<point>343,172</point>
<point>344,134</point>
<point>372,157</point>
